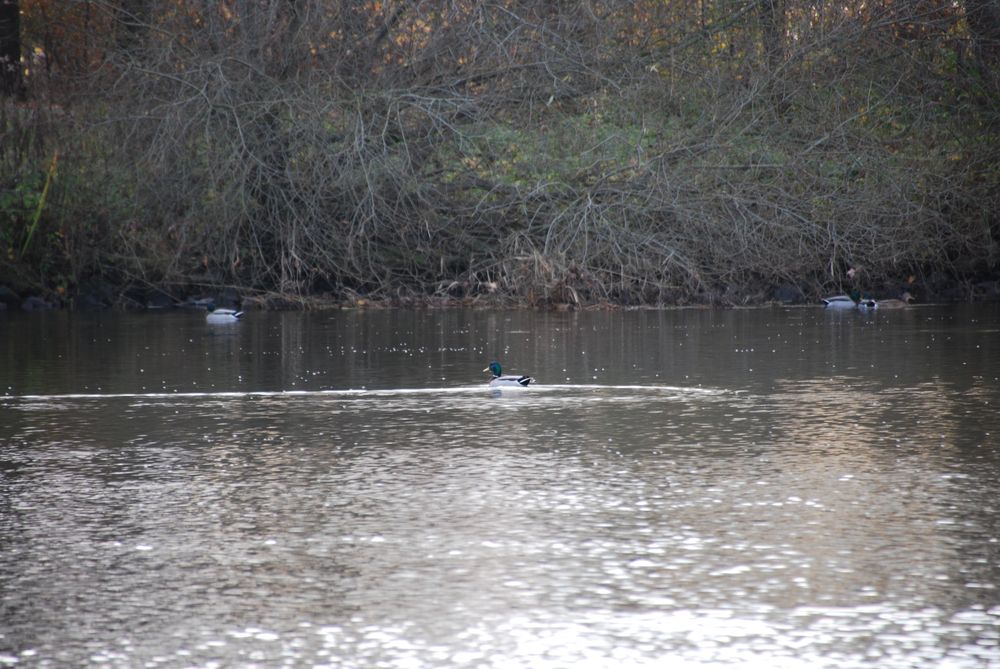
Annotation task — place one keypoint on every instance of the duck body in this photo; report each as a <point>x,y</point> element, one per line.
<point>219,316</point>
<point>509,381</point>
<point>840,302</point>
<point>852,301</point>
<point>903,301</point>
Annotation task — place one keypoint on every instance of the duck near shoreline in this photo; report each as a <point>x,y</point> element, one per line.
<point>221,316</point>
<point>855,301</point>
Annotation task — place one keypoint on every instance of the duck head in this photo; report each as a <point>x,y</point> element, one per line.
<point>494,368</point>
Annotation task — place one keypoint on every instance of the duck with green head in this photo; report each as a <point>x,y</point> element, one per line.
<point>852,301</point>
<point>510,381</point>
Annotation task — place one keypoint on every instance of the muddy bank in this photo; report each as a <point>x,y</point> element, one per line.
<point>98,296</point>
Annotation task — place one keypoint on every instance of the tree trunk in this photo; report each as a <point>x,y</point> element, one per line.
<point>11,81</point>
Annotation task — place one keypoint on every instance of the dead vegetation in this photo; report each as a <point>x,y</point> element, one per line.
<point>548,154</point>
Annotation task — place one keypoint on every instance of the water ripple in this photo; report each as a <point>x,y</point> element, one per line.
<point>789,519</point>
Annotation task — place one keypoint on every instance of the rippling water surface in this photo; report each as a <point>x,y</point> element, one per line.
<point>768,488</point>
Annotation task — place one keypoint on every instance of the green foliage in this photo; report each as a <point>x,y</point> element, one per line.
<point>57,223</point>
<point>36,216</point>
<point>20,207</point>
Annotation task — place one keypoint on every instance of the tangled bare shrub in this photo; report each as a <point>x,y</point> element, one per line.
<point>552,153</point>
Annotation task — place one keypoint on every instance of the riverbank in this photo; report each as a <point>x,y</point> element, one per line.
<point>599,172</point>
<point>102,296</point>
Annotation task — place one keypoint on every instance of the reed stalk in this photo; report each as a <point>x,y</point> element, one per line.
<point>41,201</point>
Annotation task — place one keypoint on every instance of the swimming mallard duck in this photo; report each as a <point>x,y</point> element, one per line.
<point>866,303</point>
<point>840,302</point>
<point>852,301</point>
<point>218,316</point>
<point>903,301</point>
<point>510,381</point>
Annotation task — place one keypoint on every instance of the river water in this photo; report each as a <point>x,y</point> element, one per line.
<point>773,488</point>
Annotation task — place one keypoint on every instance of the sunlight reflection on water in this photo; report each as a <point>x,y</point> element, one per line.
<point>819,519</point>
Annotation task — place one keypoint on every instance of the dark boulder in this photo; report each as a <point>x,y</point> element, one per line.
<point>8,298</point>
<point>35,303</point>
<point>787,293</point>
<point>93,296</point>
<point>158,300</point>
